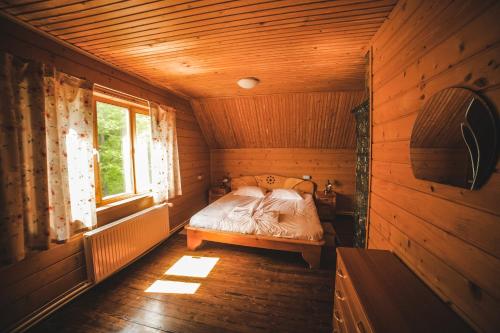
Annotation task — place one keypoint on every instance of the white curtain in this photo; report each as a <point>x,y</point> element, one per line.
<point>69,128</point>
<point>165,156</point>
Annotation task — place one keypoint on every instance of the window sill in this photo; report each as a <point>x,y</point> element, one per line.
<point>116,210</point>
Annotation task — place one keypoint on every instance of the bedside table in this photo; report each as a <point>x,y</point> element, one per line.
<point>216,193</point>
<point>326,203</point>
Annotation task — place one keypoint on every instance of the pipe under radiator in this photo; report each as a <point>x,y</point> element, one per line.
<point>115,245</point>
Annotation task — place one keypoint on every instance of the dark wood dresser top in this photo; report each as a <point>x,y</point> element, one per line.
<point>393,297</point>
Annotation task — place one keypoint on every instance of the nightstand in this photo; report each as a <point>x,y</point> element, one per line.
<point>216,193</point>
<point>325,203</point>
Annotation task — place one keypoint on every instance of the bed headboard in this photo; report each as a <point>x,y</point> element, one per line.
<point>273,181</point>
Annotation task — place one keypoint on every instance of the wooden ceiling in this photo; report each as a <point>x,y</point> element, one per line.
<point>201,48</point>
<point>294,120</point>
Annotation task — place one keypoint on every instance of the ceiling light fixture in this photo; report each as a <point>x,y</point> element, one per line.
<point>248,82</point>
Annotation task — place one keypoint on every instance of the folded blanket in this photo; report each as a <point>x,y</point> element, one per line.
<point>239,219</point>
<point>267,216</point>
<point>267,222</point>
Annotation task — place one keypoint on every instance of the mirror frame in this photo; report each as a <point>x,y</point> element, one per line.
<point>483,156</point>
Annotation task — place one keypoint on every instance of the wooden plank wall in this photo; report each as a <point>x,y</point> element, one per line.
<point>42,277</point>
<point>194,156</point>
<point>31,283</point>
<point>321,164</point>
<point>291,134</point>
<point>449,236</point>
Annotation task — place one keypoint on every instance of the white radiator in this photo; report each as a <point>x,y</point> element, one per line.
<point>113,246</point>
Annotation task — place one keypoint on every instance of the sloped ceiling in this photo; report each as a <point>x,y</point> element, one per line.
<point>296,120</point>
<point>201,48</point>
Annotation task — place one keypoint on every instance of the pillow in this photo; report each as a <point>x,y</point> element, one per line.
<point>251,191</point>
<point>286,194</point>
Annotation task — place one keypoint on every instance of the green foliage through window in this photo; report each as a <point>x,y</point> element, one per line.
<point>113,130</point>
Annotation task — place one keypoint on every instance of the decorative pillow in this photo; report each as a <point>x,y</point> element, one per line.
<point>286,194</point>
<point>251,191</point>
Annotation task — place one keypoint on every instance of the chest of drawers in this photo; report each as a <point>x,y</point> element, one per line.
<point>376,292</point>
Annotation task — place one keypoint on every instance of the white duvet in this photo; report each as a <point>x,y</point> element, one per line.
<point>297,219</point>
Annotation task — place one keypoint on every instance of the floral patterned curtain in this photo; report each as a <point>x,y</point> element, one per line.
<point>24,200</point>
<point>165,155</point>
<point>69,118</point>
<point>46,157</point>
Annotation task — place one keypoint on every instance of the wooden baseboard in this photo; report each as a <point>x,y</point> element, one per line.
<point>37,316</point>
<point>179,228</point>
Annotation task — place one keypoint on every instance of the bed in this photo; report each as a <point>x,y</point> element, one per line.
<point>242,220</point>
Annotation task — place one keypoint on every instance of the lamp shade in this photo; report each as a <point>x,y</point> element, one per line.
<point>248,82</point>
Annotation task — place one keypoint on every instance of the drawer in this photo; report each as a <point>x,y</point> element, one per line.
<point>336,328</point>
<point>342,302</point>
<point>360,323</point>
<point>341,273</point>
<point>339,321</point>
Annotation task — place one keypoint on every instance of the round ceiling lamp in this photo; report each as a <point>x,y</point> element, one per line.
<point>248,82</point>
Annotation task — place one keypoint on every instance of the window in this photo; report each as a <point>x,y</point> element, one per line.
<point>122,148</point>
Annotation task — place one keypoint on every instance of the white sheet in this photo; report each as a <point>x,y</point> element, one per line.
<point>297,219</point>
<point>229,213</point>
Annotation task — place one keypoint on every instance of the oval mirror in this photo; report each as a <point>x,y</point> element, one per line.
<point>454,139</point>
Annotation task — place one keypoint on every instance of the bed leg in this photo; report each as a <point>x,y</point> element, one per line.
<point>312,256</point>
<point>194,241</point>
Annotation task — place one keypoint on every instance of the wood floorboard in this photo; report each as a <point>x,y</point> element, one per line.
<point>248,290</point>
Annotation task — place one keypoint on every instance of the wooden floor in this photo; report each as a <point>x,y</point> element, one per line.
<point>248,290</point>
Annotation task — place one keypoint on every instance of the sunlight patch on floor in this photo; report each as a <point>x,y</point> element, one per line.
<point>173,287</point>
<point>193,266</point>
<point>189,266</point>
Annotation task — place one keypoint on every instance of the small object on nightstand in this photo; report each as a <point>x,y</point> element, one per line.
<point>326,203</point>
<point>328,187</point>
<point>216,193</point>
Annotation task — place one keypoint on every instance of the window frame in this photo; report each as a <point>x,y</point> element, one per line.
<point>133,109</point>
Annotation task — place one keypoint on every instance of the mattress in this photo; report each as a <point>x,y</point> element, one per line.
<point>296,219</point>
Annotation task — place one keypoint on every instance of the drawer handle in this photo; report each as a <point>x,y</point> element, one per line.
<point>339,296</point>
<point>337,317</point>
<point>360,327</point>
<point>340,274</point>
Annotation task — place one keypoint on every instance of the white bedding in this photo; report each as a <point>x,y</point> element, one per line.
<point>297,219</point>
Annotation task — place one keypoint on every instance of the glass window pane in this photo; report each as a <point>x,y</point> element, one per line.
<point>113,133</point>
<point>142,152</point>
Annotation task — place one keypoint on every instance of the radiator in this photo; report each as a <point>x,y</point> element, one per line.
<point>115,245</point>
